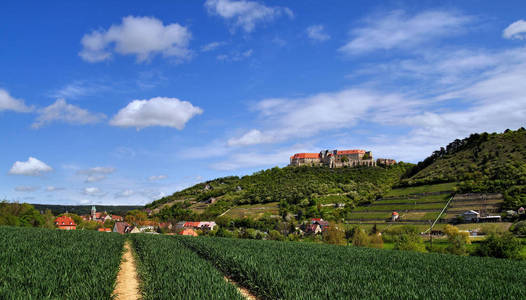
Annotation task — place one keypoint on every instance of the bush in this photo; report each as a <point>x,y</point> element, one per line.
<point>500,246</point>
<point>360,238</point>
<point>376,241</point>
<point>519,228</point>
<point>409,242</point>
<point>458,241</point>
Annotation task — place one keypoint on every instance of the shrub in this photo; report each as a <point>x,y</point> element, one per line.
<point>519,228</point>
<point>376,241</point>
<point>500,246</point>
<point>410,242</point>
<point>360,238</point>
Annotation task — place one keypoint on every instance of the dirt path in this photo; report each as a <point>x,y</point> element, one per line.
<point>127,280</point>
<point>244,292</point>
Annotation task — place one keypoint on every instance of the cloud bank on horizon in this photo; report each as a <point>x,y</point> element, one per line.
<point>105,118</point>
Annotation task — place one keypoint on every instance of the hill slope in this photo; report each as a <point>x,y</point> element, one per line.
<point>295,188</point>
<point>481,163</point>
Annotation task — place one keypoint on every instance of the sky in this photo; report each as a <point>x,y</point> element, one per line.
<point>103,102</point>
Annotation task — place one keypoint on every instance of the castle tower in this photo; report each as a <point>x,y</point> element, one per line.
<point>93,212</point>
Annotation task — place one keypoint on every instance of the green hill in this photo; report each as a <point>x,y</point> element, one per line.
<point>299,190</point>
<point>484,162</point>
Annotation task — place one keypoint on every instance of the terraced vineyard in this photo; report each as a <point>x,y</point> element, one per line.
<point>290,270</point>
<point>53,264</point>
<point>419,204</point>
<point>169,270</point>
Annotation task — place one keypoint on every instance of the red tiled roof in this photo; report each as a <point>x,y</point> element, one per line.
<point>305,155</point>
<point>316,219</point>
<point>191,224</point>
<point>104,229</point>
<point>188,231</point>
<point>355,151</point>
<point>61,221</point>
<point>115,217</point>
<point>395,213</point>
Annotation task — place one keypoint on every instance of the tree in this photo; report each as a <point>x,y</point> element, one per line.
<point>360,238</point>
<point>376,241</point>
<point>334,235</point>
<point>500,246</point>
<point>458,241</point>
<point>410,242</point>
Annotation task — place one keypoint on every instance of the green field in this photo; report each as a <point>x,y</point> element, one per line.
<point>414,199</point>
<point>55,264</point>
<point>290,270</point>
<point>169,270</point>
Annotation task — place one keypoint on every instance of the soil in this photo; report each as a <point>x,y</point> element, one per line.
<point>127,280</point>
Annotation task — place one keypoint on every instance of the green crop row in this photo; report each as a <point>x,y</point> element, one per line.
<point>169,270</point>
<point>55,264</point>
<point>422,199</point>
<point>292,270</point>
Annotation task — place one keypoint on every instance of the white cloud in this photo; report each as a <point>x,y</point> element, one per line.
<point>516,30</point>
<point>140,36</point>
<point>125,194</point>
<point>64,112</point>
<point>399,30</point>
<point>93,191</point>
<point>96,174</point>
<point>235,56</point>
<point>28,189</point>
<point>7,102</point>
<point>158,111</point>
<point>53,188</point>
<point>317,33</point>
<point>31,167</point>
<point>212,46</point>
<point>304,117</point>
<point>158,177</point>
<point>245,14</point>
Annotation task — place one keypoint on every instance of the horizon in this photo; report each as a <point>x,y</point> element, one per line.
<point>102,104</point>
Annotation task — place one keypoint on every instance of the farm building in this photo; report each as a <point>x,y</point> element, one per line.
<point>471,216</point>
<point>120,227</point>
<point>188,231</point>
<point>65,223</point>
<point>394,216</point>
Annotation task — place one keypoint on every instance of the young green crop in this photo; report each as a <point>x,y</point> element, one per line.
<point>55,264</point>
<point>290,270</point>
<point>169,270</point>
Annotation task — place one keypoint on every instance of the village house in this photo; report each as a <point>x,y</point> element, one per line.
<point>65,223</point>
<point>317,225</point>
<point>394,216</point>
<point>120,227</point>
<point>203,225</point>
<point>471,216</point>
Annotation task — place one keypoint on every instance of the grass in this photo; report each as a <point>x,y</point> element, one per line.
<point>400,207</point>
<point>253,210</point>
<point>442,187</point>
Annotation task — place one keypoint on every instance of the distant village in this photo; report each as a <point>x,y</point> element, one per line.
<point>339,159</point>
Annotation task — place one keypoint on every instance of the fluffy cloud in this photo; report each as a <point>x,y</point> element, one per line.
<point>156,178</point>
<point>245,14</point>
<point>140,36</point>
<point>304,117</point>
<point>7,102</point>
<point>28,189</point>
<point>96,174</point>
<point>64,112</point>
<point>159,111</point>
<point>31,167</point>
<point>93,191</point>
<point>399,30</point>
<point>317,33</point>
<point>516,30</point>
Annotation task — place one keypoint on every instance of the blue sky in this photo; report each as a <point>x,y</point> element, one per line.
<point>105,103</point>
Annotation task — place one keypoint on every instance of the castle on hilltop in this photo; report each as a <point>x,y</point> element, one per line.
<point>339,159</point>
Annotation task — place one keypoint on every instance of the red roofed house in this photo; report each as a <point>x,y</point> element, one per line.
<point>104,229</point>
<point>188,231</point>
<point>65,223</point>
<point>191,225</point>
<point>394,216</point>
<point>117,218</point>
<point>120,227</point>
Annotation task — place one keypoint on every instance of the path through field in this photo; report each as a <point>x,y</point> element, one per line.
<point>244,292</point>
<point>127,280</point>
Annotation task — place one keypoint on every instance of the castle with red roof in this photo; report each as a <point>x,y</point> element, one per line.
<point>338,159</point>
